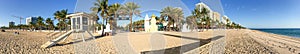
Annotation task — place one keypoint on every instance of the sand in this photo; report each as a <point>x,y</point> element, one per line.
<point>215,42</point>
<point>27,42</point>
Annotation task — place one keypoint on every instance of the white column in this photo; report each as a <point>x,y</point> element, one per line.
<point>81,23</point>
<point>71,23</point>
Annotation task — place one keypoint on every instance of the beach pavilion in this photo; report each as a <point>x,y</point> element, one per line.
<point>81,23</point>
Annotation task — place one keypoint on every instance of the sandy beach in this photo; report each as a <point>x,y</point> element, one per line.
<point>219,41</point>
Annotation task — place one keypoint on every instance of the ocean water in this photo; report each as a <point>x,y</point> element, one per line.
<point>293,32</point>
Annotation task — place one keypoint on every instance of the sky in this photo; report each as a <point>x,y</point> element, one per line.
<point>249,13</point>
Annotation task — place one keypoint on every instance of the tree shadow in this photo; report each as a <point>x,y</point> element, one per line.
<point>183,48</point>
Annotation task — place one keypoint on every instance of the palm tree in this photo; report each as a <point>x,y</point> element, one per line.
<point>61,17</point>
<point>61,25</point>
<point>233,25</point>
<point>173,15</point>
<point>218,23</point>
<point>113,14</point>
<point>228,23</point>
<point>139,24</point>
<point>11,26</point>
<point>191,22</point>
<point>32,26</point>
<point>101,6</point>
<point>205,17</point>
<point>50,24</point>
<point>178,17</point>
<point>196,16</point>
<point>23,27</point>
<point>40,22</point>
<point>202,16</point>
<point>167,13</point>
<point>130,9</point>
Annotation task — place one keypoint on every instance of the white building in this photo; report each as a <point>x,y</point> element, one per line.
<point>224,18</point>
<point>216,16</point>
<point>82,21</point>
<point>203,5</point>
<point>31,19</point>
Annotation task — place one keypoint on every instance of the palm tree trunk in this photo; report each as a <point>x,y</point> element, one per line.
<point>114,21</point>
<point>102,26</point>
<point>106,23</point>
<point>174,29</point>
<point>130,25</point>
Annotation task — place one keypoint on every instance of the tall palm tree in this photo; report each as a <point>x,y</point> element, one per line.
<point>205,17</point>
<point>208,22</point>
<point>50,24</point>
<point>101,6</point>
<point>113,14</point>
<point>233,25</point>
<point>178,17</point>
<point>196,16</point>
<point>61,17</point>
<point>167,13</point>
<point>191,22</point>
<point>61,25</point>
<point>40,22</point>
<point>228,23</point>
<point>173,15</point>
<point>130,9</point>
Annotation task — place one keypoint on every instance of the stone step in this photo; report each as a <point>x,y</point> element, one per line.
<point>53,42</point>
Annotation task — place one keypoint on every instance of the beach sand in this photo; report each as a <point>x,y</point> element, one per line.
<point>27,42</point>
<point>219,41</point>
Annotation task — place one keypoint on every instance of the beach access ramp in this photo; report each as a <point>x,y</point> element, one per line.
<point>53,42</point>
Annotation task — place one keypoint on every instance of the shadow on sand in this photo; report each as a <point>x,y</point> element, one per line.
<point>183,48</point>
<point>78,41</point>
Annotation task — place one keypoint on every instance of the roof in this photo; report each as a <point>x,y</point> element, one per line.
<point>79,14</point>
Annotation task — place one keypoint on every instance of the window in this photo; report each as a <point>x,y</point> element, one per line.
<point>85,21</point>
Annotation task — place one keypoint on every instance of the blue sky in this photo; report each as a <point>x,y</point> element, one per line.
<point>249,13</point>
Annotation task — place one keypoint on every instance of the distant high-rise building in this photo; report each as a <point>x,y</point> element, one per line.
<point>11,24</point>
<point>203,5</point>
<point>31,19</point>
<point>226,19</point>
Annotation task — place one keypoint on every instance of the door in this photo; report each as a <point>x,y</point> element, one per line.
<point>85,23</point>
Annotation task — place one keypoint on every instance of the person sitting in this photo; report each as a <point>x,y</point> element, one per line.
<point>17,33</point>
<point>2,30</point>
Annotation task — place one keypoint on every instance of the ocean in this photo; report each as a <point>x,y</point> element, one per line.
<point>293,32</point>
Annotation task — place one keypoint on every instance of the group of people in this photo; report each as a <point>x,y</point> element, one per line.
<point>17,33</point>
